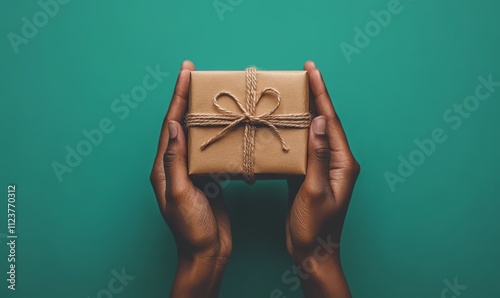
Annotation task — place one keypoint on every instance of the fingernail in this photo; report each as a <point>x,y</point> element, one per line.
<point>172,130</point>
<point>319,125</point>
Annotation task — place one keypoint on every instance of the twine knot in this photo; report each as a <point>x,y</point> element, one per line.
<point>231,119</point>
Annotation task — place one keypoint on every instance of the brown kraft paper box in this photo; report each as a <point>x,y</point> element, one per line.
<point>226,154</point>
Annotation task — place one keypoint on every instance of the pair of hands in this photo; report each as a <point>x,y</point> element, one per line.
<point>318,203</point>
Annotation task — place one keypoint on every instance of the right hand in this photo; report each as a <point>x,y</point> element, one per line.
<point>320,202</point>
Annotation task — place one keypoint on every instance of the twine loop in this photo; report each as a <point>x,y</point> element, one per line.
<point>231,119</point>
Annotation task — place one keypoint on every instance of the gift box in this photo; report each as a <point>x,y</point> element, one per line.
<point>250,124</point>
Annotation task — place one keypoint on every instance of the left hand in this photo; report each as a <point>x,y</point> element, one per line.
<point>200,225</point>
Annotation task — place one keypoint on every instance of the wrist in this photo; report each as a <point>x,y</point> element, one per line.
<point>198,275</point>
<point>200,272</point>
<point>214,257</point>
<point>314,266</point>
<point>321,275</point>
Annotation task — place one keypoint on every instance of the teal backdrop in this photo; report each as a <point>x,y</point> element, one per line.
<point>409,80</point>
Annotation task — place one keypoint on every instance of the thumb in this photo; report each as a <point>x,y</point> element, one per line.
<point>174,160</point>
<point>318,164</point>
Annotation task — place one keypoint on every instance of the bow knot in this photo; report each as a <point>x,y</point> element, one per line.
<point>252,119</point>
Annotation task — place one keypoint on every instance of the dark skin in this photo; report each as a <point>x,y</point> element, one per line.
<point>318,203</point>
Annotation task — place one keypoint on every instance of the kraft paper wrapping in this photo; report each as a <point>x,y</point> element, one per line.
<point>226,154</point>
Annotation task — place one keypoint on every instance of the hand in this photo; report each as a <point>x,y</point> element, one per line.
<point>319,204</point>
<point>200,226</point>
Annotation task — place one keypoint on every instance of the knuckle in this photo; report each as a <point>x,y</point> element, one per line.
<point>156,178</point>
<point>155,174</point>
<point>152,177</point>
<point>169,157</point>
<point>321,154</point>
<point>179,191</point>
<point>226,250</point>
<point>312,191</point>
<point>354,167</point>
<point>357,167</point>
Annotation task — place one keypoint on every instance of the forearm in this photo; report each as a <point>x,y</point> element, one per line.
<point>198,278</point>
<point>326,278</point>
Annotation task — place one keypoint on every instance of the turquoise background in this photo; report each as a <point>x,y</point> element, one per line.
<point>441,223</point>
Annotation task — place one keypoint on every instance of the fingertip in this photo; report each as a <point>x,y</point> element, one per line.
<point>309,65</point>
<point>187,64</point>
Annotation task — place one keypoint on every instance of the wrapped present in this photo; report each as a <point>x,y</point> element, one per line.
<point>250,124</point>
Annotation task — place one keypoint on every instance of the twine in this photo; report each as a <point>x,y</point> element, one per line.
<point>231,119</point>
